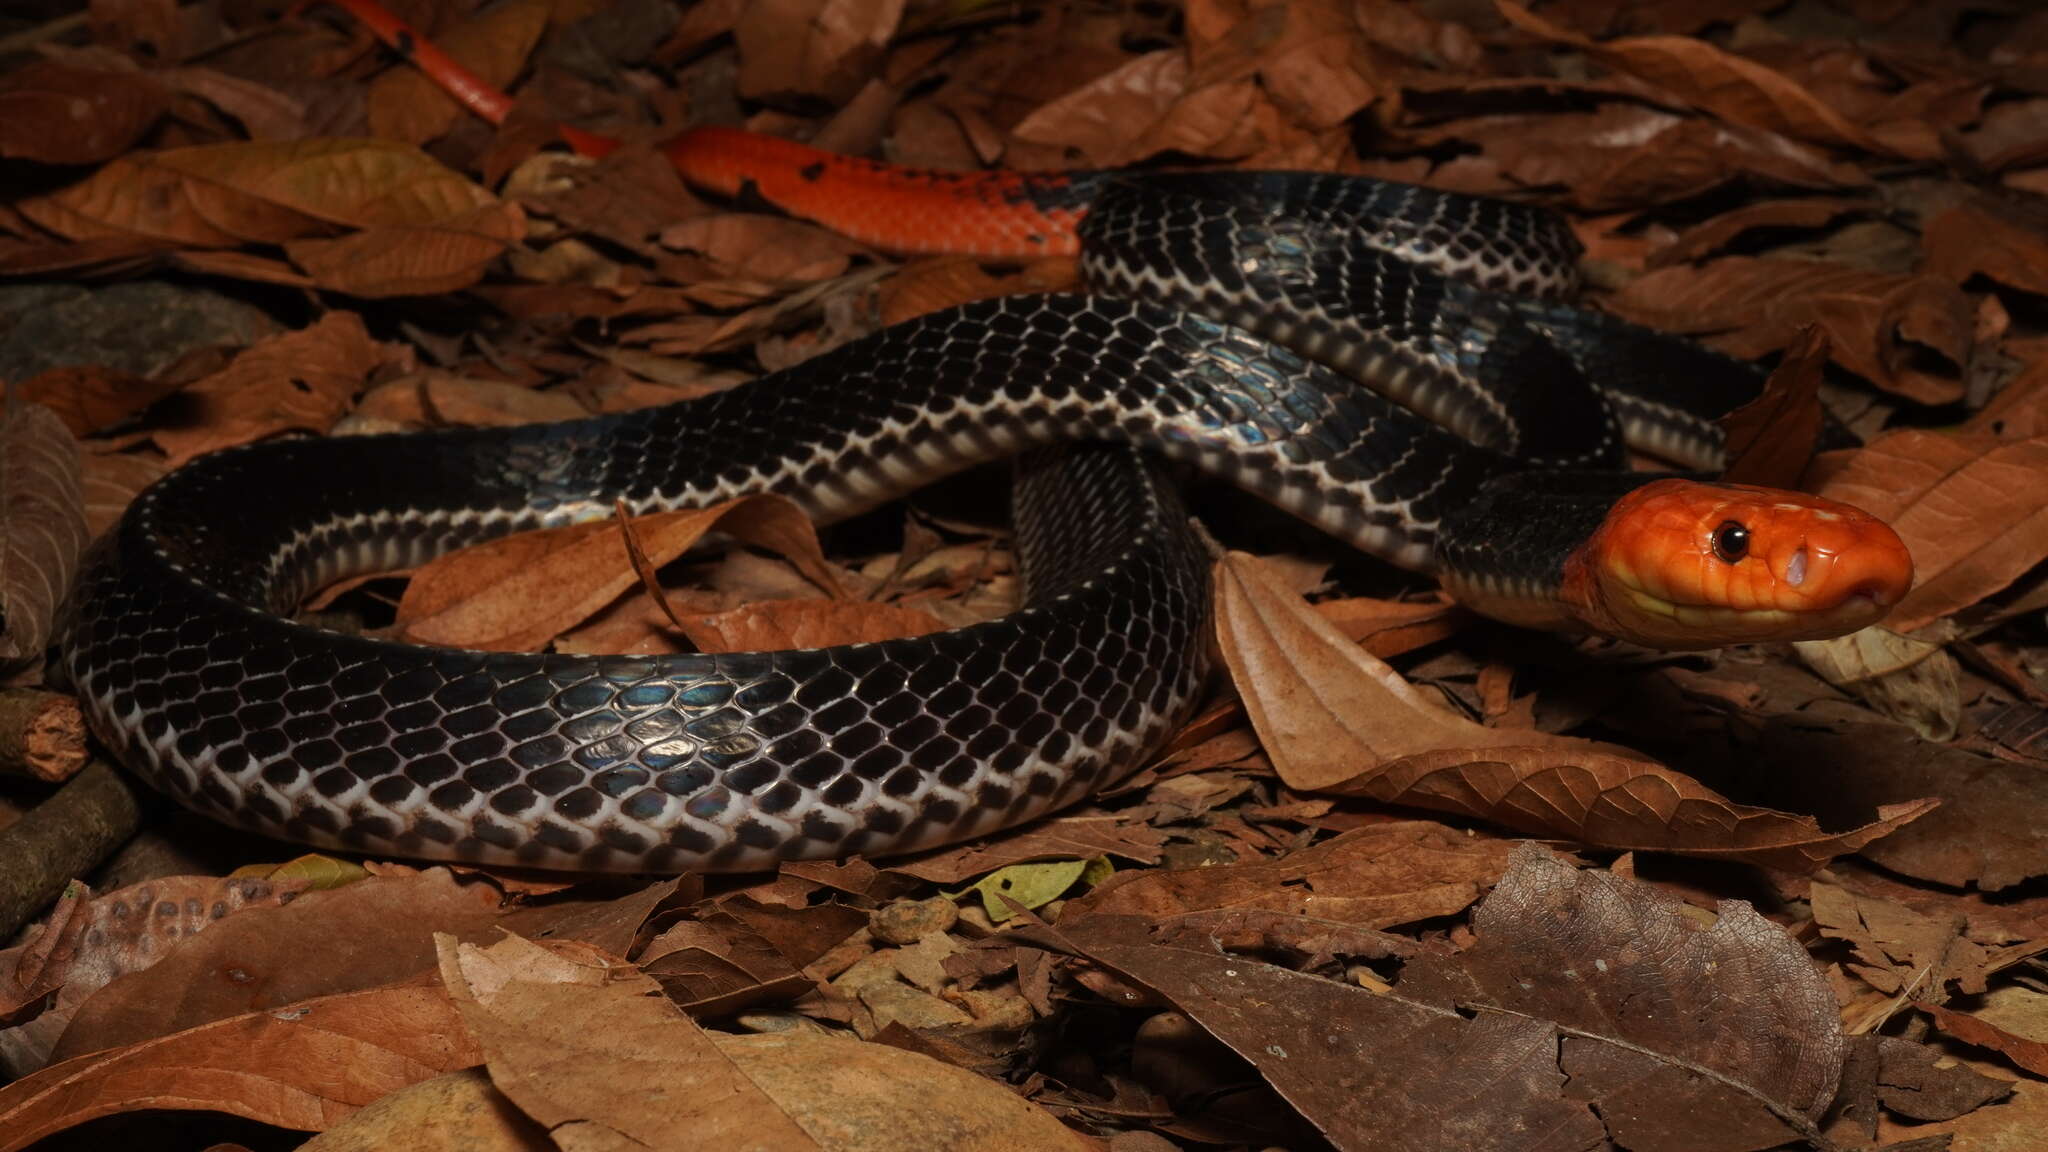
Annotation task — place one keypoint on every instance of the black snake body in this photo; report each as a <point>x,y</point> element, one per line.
<point>179,646</point>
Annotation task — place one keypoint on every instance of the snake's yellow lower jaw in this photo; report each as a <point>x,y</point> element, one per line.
<point>1650,620</point>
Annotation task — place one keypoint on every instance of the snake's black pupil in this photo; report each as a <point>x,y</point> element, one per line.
<point>1731,541</point>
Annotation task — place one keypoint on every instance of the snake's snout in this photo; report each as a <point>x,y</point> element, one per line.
<point>1680,564</point>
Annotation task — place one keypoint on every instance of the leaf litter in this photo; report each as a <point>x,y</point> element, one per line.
<point>1310,911</point>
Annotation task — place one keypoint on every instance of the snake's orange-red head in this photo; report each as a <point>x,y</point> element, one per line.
<point>1683,564</point>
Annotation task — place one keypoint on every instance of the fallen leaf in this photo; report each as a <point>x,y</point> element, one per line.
<point>1336,721</point>
<point>42,526</point>
<point>1731,87</point>
<point>55,114</point>
<point>458,1112</point>
<point>2028,1054</point>
<point>784,625</point>
<point>518,592</point>
<point>1373,877</point>
<point>1972,510</point>
<point>1722,1038</point>
<point>1770,440</point>
<point>359,936</point>
<point>1878,323</point>
<point>295,381</point>
<point>275,1066</point>
<point>1909,680</point>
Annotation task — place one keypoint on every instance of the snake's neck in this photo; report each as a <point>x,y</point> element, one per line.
<point>1510,553</point>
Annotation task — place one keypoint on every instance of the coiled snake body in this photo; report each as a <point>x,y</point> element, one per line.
<point>177,646</point>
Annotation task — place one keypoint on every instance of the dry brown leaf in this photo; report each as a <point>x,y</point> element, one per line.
<point>459,1112</point>
<point>1387,628</point>
<point>373,932</point>
<point>277,1066</point>
<point>786,625</point>
<point>296,381</point>
<point>1325,709</point>
<point>42,526</point>
<point>1109,120</point>
<point>1770,440</point>
<point>2029,1054</point>
<point>1373,877</point>
<point>771,249</point>
<point>587,1046</point>
<point>518,592</point>
<point>1336,721</point>
<point>1735,89</point>
<point>414,259</point>
<point>405,105</point>
<point>436,397</point>
<point>111,482</point>
<point>806,48</point>
<point>91,397</point>
<point>88,941</point>
<point>1897,950</point>
<point>1724,1038</point>
<point>223,195</point>
<point>1709,238</point>
<point>56,114</point>
<point>1970,240</point>
<point>1973,511</point>
<point>1877,322</point>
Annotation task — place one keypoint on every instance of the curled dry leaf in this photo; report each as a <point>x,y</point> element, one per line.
<point>42,526</point>
<point>1972,509</point>
<point>1335,720</point>
<point>1770,439</point>
<point>276,1066</point>
<point>517,593</point>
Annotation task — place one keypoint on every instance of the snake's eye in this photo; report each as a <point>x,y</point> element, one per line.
<point>1731,541</point>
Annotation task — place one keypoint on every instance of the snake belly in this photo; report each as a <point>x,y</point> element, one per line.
<point>179,646</point>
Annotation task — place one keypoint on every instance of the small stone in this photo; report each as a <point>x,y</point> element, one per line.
<point>908,921</point>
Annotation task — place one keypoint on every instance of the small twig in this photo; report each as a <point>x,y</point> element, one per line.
<point>65,836</point>
<point>42,734</point>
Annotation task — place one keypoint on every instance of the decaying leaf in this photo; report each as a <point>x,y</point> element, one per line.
<point>42,526</point>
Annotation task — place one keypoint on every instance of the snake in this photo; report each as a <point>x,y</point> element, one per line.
<point>1395,365</point>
